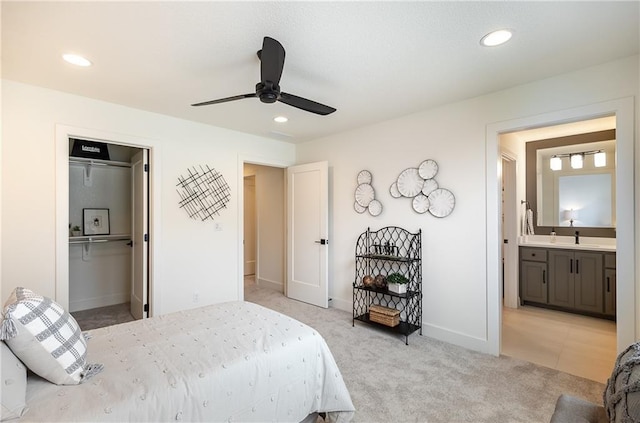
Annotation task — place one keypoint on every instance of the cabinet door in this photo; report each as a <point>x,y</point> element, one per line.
<point>610,292</point>
<point>588,278</point>
<point>533,281</point>
<point>561,283</point>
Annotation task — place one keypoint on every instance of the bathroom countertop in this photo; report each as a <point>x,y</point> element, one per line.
<point>568,242</point>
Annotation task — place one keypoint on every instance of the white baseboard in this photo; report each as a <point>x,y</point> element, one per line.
<point>269,284</point>
<point>455,338</point>
<point>340,304</point>
<point>95,302</point>
<point>432,331</point>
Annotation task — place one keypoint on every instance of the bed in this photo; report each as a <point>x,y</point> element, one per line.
<point>235,361</point>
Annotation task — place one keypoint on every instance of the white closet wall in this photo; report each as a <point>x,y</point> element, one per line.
<point>100,273</point>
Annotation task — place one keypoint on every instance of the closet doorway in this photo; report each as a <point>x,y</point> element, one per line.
<point>108,233</point>
<point>264,226</point>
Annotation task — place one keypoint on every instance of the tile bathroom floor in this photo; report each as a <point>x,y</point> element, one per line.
<point>579,345</point>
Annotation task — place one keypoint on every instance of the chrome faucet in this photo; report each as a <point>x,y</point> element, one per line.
<point>577,237</point>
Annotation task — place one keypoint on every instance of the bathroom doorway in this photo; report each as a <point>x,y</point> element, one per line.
<point>581,345</point>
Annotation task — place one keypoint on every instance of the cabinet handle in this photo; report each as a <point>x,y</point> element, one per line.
<point>544,276</point>
<point>608,286</point>
<point>570,265</point>
<point>577,266</point>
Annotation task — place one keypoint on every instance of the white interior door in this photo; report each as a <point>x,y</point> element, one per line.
<point>307,232</point>
<point>510,232</point>
<point>139,235</point>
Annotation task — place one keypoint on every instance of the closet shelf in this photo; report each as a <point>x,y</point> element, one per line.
<point>96,162</point>
<point>93,239</point>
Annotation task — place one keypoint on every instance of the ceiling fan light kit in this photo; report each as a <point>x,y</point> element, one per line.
<point>268,90</point>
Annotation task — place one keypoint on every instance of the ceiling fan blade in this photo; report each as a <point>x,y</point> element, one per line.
<point>304,104</point>
<point>224,100</point>
<point>271,61</point>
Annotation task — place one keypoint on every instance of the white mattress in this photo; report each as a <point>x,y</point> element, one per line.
<point>235,361</point>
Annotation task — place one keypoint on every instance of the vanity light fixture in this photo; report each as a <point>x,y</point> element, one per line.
<point>577,160</point>
<point>76,59</point>
<point>280,119</point>
<point>600,159</point>
<point>496,38</point>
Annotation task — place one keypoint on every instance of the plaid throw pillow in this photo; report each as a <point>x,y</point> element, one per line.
<point>46,338</point>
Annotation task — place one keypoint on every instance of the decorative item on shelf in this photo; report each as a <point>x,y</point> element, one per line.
<point>384,315</point>
<point>365,195</point>
<point>368,281</point>
<point>76,231</point>
<point>419,185</point>
<point>380,281</point>
<point>389,249</point>
<point>396,282</point>
<point>95,222</point>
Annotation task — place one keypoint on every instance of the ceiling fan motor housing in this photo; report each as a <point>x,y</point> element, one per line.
<point>268,92</point>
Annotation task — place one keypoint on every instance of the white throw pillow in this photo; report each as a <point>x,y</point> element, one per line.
<point>46,338</point>
<point>14,385</point>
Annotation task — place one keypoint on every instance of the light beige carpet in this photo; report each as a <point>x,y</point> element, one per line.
<point>429,380</point>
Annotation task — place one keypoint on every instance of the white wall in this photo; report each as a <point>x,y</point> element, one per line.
<point>454,248</point>
<point>189,255</point>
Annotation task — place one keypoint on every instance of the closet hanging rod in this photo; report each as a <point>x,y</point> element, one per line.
<point>97,162</point>
<point>97,241</point>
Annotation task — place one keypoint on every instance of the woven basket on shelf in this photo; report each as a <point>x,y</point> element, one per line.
<point>384,315</point>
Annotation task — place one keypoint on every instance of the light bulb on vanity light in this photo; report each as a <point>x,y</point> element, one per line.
<point>600,159</point>
<point>577,160</point>
<point>555,163</point>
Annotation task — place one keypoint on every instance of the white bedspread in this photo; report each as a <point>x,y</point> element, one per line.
<point>229,362</point>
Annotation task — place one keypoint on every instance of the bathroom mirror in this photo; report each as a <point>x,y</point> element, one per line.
<point>571,198</point>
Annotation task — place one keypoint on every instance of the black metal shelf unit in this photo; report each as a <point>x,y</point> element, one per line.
<point>383,252</point>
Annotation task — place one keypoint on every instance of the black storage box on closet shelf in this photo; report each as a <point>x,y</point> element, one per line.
<point>90,149</point>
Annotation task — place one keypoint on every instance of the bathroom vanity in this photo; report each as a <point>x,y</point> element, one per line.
<point>577,278</point>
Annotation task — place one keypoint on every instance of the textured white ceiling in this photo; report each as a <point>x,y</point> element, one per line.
<point>371,60</point>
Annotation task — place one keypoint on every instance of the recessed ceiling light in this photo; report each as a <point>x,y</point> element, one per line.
<point>280,119</point>
<point>496,38</point>
<point>77,60</point>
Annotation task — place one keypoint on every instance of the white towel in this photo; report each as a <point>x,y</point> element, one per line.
<point>528,216</point>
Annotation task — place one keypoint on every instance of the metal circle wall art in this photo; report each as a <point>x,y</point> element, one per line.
<point>365,195</point>
<point>441,202</point>
<point>420,203</point>
<point>364,177</point>
<point>420,185</point>
<point>428,169</point>
<point>375,208</point>
<point>410,183</point>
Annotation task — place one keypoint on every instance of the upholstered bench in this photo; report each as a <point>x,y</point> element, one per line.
<point>621,396</point>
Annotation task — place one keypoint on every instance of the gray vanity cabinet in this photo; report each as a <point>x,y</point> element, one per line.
<point>533,275</point>
<point>610,284</point>
<point>576,280</point>
<point>588,276</point>
<point>570,280</point>
<point>561,282</point>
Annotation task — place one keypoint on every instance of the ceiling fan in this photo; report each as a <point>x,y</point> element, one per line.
<point>267,90</point>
